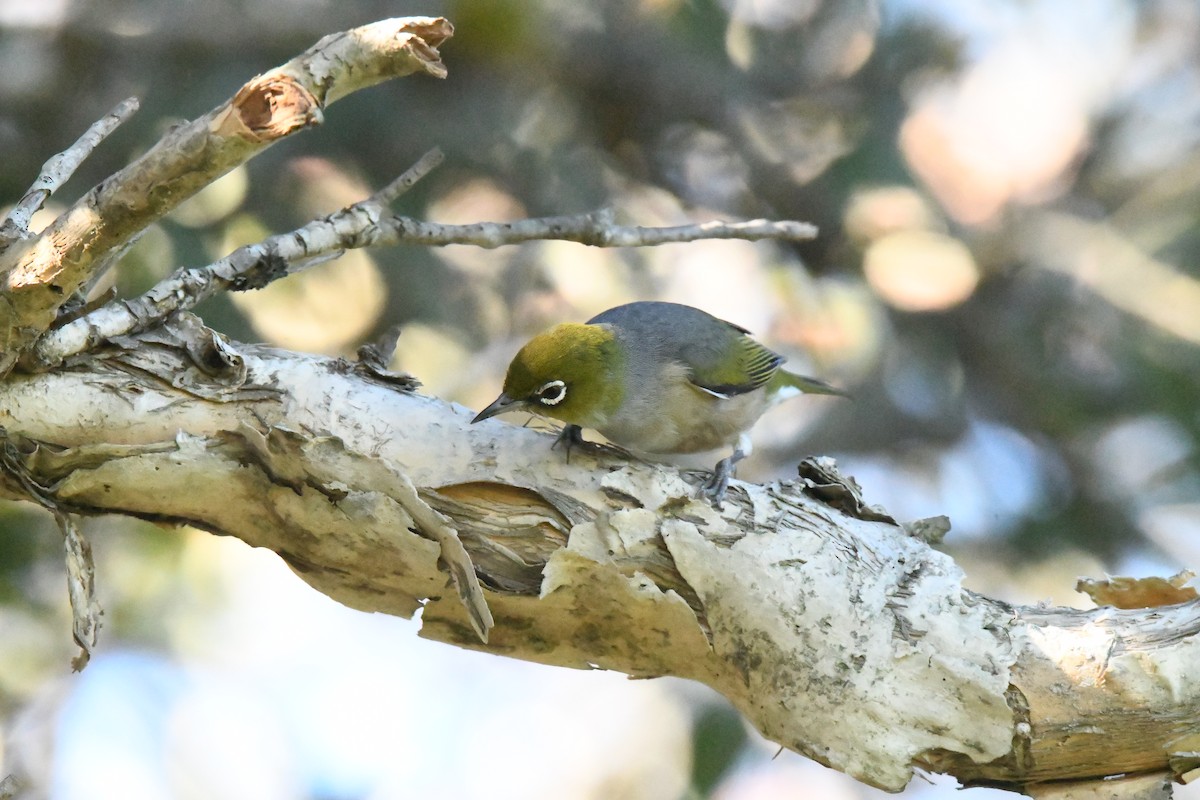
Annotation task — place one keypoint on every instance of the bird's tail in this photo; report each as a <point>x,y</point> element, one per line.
<point>808,385</point>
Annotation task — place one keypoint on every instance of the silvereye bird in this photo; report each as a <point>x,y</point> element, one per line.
<point>656,378</point>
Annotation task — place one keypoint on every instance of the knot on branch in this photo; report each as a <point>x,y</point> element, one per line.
<point>188,355</point>
<point>269,108</point>
<point>375,357</point>
<point>263,272</point>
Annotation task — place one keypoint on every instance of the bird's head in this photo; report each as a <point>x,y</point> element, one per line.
<point>572,372</point>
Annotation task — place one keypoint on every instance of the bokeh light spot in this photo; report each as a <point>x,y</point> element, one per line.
<point>921,270</point>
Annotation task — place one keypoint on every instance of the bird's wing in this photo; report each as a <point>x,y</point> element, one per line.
<point>742,366</point>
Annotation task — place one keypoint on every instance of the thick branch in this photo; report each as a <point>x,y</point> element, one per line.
<point>843,639</point>
<point>43,273</point>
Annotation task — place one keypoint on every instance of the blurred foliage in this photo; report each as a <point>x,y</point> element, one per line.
<point>1006,276</point>
<point>718,735</point>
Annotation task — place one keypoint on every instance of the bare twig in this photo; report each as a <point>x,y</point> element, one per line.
<point>361,225</point>
<point>59,169</point>
<point>425,165</point>
<point>249,267</point>
<point>595,229</point>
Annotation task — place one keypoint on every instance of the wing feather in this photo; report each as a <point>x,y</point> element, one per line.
<point>746,366</point>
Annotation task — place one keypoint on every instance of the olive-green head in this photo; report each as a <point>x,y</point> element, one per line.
<point>572,372</point>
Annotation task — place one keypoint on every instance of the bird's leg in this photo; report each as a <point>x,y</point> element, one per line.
<point>568,437</point>
<point>718,484</point>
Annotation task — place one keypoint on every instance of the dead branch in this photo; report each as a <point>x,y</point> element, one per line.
<point>58,171</point>
<point>43,272</point>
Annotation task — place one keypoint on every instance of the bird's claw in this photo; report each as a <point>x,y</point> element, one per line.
<point>569,437</point>
<point>718,483</point>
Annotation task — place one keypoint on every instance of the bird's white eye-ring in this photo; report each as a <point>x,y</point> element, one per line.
<point>552,393</point>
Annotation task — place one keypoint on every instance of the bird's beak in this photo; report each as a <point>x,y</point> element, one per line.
<point>499,406</point>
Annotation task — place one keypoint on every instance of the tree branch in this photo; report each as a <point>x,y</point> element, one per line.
<point>58,170</point>
<point>841,638</point>
<point>596,229</point>
<point>47,269</point>
<point>365,224</point>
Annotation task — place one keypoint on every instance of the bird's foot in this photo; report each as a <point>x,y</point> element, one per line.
<point>569,437</point>
<point>718,483</point>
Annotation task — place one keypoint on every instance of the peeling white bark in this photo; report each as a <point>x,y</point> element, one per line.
<point>843,639</point>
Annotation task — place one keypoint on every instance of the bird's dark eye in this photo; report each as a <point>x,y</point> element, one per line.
<point>551,394</point>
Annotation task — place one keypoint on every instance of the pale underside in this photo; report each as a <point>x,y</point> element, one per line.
<point>682,417</point>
